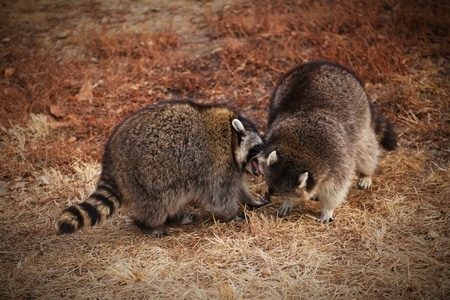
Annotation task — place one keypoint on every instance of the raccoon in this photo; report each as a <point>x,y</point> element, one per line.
<point>322,126</point>
<point>167,155</point>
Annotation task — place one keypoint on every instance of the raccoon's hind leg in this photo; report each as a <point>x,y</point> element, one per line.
<point>367,161</point>
<point>156,232</point>
<point>148,213</point>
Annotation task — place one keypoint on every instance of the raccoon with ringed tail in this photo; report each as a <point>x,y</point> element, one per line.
<point>165,156</point>
<point>322,126</point>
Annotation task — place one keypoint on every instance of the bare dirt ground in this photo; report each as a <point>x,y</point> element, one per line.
<point>71,70</point>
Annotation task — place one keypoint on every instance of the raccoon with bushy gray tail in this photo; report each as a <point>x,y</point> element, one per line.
<point>167,155</point>
<point>322,126</point>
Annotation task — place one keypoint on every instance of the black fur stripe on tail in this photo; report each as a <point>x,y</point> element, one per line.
<point>105,201</point>
<point>92,212</point>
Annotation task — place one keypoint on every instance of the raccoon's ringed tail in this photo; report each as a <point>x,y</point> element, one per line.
<point>99,206</point>
<point>389,140</point>
<point>384,129</point>
<point>88,213</point>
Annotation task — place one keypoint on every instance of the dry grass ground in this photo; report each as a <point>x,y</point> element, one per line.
<point>70,70</point>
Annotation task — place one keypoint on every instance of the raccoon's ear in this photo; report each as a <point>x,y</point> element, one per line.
<point>237,124</point>
<point>302,180</point>
<point>272,158</point>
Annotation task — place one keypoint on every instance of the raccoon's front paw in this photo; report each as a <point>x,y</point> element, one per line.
<point>154,232</point>
<point>285,209</point>
<point>157,233</point>
<point>326,216</point>
<point>263,202</point>
<point>241,217</point>
<point>259,203</point>
<point>187,219</point>
<point>364,182</point>
<point>314,198</point>
<point>325,220</point>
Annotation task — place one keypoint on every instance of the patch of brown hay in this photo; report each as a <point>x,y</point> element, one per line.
<point>392,241</point>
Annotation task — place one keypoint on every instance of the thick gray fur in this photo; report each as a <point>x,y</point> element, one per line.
<point>322,127</point>
<point>166,156</point>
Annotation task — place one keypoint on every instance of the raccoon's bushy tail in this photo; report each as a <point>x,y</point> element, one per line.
<point>384,129</point>
<point>100,205</point>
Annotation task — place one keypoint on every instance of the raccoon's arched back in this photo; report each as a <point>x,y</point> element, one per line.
<point>101,204</point>
<point>300,83</point>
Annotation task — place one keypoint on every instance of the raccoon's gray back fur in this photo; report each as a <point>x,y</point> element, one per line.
<point>322,126</point>
<point>165,156</point>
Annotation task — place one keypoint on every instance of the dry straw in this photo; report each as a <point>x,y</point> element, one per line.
<point>391,242</point>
